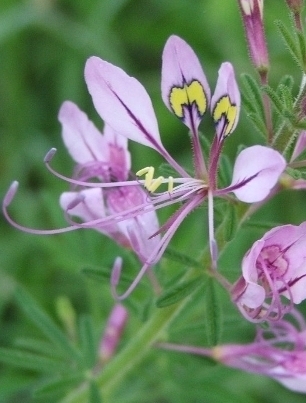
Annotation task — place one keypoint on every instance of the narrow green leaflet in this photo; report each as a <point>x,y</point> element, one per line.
<point>253,93</point>
<point>231,223</point>
<point>103,274</point>
<point>180,291</point>
<point>94,393</point>
<point>291,43</point>
<point>59,384</point>
<point>31,361</point>
<point>87,341</point>
<point>46,325</point>
<point>37,346</point>
<point>213,314</point>
<point>179,257</point>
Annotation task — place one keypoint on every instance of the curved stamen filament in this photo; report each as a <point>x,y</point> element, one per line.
<point>156,253</point>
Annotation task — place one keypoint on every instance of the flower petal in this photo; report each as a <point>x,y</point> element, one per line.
<point>82,139</point>
<point>257,170</point>
<point>92,208</point>
<point>225,103</point>
<point>185,90</point>
<point>122,102</point>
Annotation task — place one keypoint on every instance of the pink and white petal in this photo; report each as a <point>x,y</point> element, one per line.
<point>292,372</point>
<point>90,208</point>
<point>82,139</point>
<point>291,239</point>
<point>249,269</point>
<point>122,102</point>
<point>298,289</point>
<point>180,70</point>
<point>257,169</point>
<point>253,296</point>
<point>119,156</point>
<point>226,100</point>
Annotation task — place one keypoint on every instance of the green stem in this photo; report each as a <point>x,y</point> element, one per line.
<point>134,352</point>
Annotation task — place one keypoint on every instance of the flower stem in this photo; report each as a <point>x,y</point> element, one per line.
<point>132,354</point>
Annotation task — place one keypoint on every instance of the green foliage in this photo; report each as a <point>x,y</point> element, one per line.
<point>213,314</point>
<point>178,292</point>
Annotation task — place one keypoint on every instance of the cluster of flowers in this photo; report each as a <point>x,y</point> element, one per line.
<point>104,198</point>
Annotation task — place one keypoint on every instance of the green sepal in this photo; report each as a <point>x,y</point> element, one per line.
<point>178,292</point>
<point>213,313</point>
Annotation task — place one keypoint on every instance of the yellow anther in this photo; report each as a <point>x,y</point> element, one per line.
<point>155,184</point>
<point>149,178</point>
<point>143,171</point>
<point>152,184</point>
<point>170,184</point>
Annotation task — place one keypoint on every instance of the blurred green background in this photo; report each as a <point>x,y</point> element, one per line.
<point>43,48</point>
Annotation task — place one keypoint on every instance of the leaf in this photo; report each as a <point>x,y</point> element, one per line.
<point>275,99</point>
<point>103,274</point>
<point>290,42</point>
<point>297,173</point>
<point>262,225</point>
<point>94,393</point>
<point>59,384</point>
<point>253,93</point>
<point>231,223</point>
<point>287,81</point>
<point>178,292</point>
<point>213,313</point>
<point>260,126</point>
<point>37,346</point>
<point>179,257</point>
<point>45,324</point>
<point>286,97</point>
<point>31,361</point>
<point>87,341</point>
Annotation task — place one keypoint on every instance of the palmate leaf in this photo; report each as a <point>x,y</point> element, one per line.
<point>37,346</point>
<point>22,359</point>
<point>179,257</point>
<point>87,341</point>
<point>213,313</point>
<point>59,384</point>
<point>103,274</point>
<point>291,42</point>
<point>46,325</point>
<point>253,94</point>
<point>94,393</point>
<point>178,292</point>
